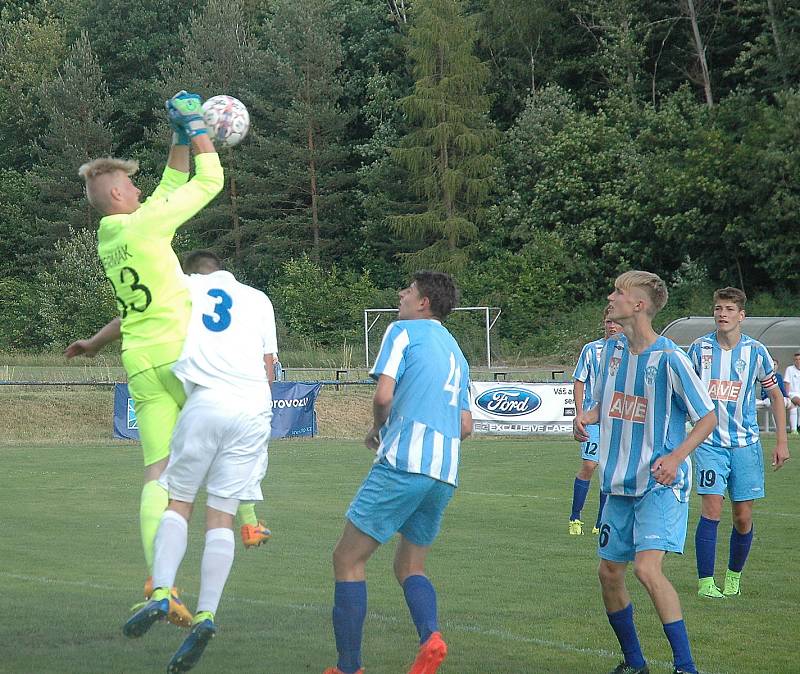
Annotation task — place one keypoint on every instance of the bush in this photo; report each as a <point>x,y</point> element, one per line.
<point>324,305</point>
<point>75,298</point>
<point>20,329</point>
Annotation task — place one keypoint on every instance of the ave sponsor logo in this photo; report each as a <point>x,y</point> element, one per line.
<point>508,401</point>
<point>720,389</point>
<point>629,408</point>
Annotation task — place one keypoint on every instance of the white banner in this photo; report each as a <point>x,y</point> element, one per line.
<point>516,408</point>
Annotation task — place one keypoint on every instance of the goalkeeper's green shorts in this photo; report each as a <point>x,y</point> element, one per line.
<point>158,397</point>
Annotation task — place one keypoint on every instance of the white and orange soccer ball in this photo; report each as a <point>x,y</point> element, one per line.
<point>227,119</point>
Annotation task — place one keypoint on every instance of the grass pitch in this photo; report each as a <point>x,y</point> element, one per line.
<point>517,595</point>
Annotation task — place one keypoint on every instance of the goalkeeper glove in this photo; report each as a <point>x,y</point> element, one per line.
<point>186,111</point>
<point>179,135</point>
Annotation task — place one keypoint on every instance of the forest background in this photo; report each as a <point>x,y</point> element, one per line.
<point>533,148</point>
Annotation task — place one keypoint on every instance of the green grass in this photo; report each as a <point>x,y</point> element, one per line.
<point>517,595</point>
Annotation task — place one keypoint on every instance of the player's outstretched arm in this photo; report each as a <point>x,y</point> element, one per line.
<point>780,454</point>
<point>110,332</point>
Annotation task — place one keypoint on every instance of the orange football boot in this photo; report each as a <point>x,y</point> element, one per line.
<point>178,614</point>
<point>336,670</point>
<point>431,654</point>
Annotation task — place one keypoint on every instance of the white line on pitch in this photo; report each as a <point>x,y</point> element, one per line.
<point>483,493</point>
<point>756,511</point>
<point>505,635</point>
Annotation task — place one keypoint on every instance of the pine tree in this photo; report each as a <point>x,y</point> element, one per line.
<point>447,152</point>
<point>76,103</point>
<point>221,56</point>
<point>303,148</point>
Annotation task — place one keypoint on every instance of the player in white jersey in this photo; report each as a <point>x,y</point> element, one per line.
<point>730,460</point>
<point>583,377</point>
<point>645,390</point>
<point>220,439</point>
<point>420,415</point>
<point>791,379</point>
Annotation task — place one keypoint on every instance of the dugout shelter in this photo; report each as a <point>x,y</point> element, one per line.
<point>780,334</point>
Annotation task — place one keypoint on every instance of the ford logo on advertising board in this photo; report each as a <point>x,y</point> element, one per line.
<point>508,401</point>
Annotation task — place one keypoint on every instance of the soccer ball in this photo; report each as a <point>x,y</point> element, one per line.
<point>227,119</point>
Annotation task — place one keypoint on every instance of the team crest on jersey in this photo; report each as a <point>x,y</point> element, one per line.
<point>650,373</point>
<point>707,359</point>
<point>613,365</point>
<point>739,366</point>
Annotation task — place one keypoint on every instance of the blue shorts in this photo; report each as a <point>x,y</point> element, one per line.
<point>631,524</point>
<point>739,471</point>
<point>589,448</point>
<point>391,500</point>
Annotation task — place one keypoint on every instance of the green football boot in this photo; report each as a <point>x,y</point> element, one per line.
<point>731,587</point>
<point>707,588</point>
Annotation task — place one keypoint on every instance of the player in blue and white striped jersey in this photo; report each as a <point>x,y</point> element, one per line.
<point>421,414</point>
<point>645,390</point>
<point>583,377</point>
<point>731,458</point>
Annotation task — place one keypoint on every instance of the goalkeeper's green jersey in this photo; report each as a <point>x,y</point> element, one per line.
<point>136,252</point>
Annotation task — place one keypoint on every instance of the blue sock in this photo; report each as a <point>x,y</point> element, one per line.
<point>603,497</point>
<point>679,640</point>
<point>349,611</point>
<point>705,545</point>
<point>421,600</point>
<point>740,548</point>
<point>622,622</point>
<point>579,490</point>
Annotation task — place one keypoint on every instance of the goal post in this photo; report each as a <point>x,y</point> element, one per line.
<point>490,316</point>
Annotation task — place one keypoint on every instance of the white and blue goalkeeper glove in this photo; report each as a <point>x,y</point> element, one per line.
<point>186,112</point>
<point>179,135</point>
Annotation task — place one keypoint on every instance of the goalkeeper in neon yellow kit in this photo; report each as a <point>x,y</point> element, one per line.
<point>135,248</point>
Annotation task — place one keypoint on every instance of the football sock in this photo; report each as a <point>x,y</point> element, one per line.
<point>622,623</point>
<point>247,514</point>
<point>349,611</point>
<point>153,503</point>
<point>580,489</point>
<point>215,567</point>
<point>170,547</point>
<point>421,600</point>
<point>603,497</point>
<point>740,548</point>
<point>705,545</point>
<point>679,640</point>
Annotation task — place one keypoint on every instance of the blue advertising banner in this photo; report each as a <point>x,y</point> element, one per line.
<point>293,412</point>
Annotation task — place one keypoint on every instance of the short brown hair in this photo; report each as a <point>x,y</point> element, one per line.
<point>201,262</point>
<point>652,284</point>
<point>732,295</point>
<point>440,289</point>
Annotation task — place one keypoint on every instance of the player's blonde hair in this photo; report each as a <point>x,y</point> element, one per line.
<point>652,285</point>
<point>98,167</point>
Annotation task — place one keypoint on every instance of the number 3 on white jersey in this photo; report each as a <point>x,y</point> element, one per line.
<point>453,383</point>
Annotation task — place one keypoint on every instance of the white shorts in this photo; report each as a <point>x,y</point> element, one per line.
<point>217,442</point>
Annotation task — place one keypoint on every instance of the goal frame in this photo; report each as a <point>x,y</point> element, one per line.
<point>491,314</point>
